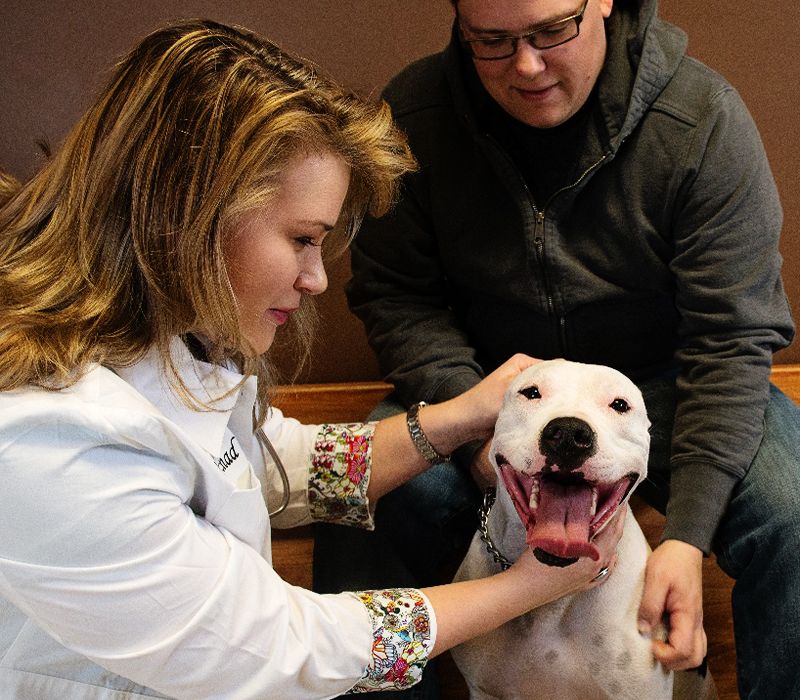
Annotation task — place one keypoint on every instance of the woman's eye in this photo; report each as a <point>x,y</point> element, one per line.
<point>306,241</point>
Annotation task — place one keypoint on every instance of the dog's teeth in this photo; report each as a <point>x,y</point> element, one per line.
<point>534,500</point>
<point>593,508</point>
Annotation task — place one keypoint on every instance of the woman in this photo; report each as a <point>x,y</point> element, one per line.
<point>144,273</point>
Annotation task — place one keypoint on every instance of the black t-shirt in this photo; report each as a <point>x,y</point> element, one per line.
<point>547,158</point>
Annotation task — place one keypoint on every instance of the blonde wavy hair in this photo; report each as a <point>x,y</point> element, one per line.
<point>116,244</point>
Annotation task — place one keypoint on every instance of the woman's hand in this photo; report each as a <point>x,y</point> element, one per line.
<point>487,398</point>
<point>469,608</point>
<point>447,425</point>
<point>480,405</point>
<point>481,467</point>
<point>548,583</point>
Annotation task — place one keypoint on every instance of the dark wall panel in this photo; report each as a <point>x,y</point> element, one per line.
<point>54,55</point>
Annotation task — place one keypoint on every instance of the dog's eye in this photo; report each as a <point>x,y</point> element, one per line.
<point>531,392</point>
<point>620,405</point>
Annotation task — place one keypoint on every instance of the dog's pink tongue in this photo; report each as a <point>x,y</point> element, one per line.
<point>562,521</point>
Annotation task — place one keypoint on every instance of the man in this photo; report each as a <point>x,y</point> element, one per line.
<point>588,191</point>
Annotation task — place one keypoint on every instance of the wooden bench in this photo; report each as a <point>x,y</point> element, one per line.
<point>293,549</point>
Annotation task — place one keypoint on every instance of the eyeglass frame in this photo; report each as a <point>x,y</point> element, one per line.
<point>528,36</point>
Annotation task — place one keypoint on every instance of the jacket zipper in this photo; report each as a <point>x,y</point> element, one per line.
<point>538,243</point>
<point>539,240</point>
<point>561,320</point>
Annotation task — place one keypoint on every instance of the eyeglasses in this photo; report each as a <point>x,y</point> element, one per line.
<point>495,48</point>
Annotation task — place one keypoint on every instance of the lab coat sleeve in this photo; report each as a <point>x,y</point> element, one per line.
<point>328,467</point>
<point>99,545</point>
<point>403,635</point>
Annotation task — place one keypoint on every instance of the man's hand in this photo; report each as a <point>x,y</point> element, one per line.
<point>673,593</point>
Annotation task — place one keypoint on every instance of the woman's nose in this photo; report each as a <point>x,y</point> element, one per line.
<point>312,278</point>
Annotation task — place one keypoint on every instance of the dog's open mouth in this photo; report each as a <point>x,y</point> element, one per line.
<point>562,512</point>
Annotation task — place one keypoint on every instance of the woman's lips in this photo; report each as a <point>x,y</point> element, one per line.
<point>280,316</point>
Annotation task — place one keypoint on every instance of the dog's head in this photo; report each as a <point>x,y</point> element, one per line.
<point>570,445</point>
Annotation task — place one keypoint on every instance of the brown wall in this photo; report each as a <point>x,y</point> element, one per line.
<point>53,55</point>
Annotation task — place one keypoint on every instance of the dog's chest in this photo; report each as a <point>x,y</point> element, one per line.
<point>558,652</point>
<point>577,654</point>
<point>584,646</point>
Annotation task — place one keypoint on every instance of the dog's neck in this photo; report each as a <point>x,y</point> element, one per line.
<point>505,528</point>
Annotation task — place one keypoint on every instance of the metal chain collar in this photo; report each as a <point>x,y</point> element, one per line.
<point>483,527</point>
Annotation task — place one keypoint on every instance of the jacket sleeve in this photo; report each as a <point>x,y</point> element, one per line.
<point>129,576</point>
<point>399,291</point>
<point>734,314</point>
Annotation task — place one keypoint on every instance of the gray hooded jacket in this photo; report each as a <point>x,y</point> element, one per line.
<point>659,255</point>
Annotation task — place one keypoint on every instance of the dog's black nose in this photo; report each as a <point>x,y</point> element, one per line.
<point>567,442</point>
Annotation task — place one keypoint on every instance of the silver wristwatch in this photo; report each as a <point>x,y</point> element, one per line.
<point>419,438</point>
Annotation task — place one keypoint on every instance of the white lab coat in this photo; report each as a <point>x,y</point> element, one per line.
<point>126,552</point>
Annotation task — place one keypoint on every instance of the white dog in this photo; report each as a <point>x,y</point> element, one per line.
<point>571,443</point>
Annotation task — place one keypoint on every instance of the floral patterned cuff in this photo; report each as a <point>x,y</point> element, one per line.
<point>402,639</point>
<point>340,468</point>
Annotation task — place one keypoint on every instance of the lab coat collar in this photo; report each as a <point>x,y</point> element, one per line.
<point>206,382</point>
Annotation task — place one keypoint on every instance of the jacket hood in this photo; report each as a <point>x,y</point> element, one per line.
<point>642,56</point>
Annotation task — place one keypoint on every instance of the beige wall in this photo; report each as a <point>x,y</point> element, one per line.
<point>54,54</point>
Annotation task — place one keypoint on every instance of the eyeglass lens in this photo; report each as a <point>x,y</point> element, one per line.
<point>544,38</point>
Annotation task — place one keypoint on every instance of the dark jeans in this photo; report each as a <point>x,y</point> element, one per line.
<point>425,526</point>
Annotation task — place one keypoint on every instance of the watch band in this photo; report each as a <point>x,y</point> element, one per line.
<point>419,438</point>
